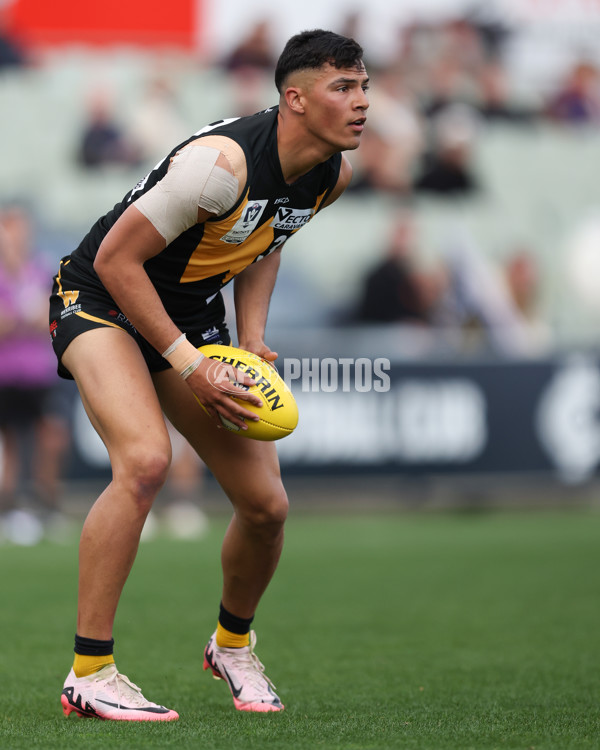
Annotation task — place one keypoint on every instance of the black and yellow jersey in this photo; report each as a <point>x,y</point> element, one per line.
<point>193,268</point>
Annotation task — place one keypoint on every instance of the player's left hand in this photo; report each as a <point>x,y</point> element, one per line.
<point>259,347</point>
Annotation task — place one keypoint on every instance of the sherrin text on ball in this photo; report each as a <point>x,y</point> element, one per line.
<point>278,415</point>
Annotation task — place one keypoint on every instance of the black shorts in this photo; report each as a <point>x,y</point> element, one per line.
<point>77,304</point>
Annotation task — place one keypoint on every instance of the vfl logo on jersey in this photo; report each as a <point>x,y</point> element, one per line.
<point>246,224</point>
<point>290,219</point>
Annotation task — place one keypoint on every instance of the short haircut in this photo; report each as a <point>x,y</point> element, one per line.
<point>310,50</point>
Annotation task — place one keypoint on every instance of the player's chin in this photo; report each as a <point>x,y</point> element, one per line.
<point>354,145</point>
<point>353,141</point>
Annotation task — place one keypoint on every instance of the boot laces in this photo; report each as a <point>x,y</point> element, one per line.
<point>253,668</point>
<point>128,693</point>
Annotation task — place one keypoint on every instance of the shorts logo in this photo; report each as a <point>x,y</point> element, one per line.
<point>72,309</point>
<point>120,318</point>
<point>211,336</point>
<point>246,224</point>
<point>290,219</point>
<point>53,327</point>
<point>68,297</point>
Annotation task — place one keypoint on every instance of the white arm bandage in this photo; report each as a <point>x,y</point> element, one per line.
<point>193,181</point>
<point>183,356</point>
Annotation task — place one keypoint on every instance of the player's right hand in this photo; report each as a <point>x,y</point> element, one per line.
<point>214,383</point>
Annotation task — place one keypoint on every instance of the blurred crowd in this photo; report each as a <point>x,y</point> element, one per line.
<point>446,82</point>
<point>36,409</point>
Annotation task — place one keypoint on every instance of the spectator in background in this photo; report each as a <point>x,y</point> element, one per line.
<point>444,86</point>
<point>34,440</point>
<point>448,168</point>
<point>255,50</point>
<point>494,101</point>
<point>472,304</point>
<point>462,40</point>
<point>485,303</point>
<point>577,100</point>
<point>522,275</point>
<point>103,140</point>
<point>156,121</point>
<point>12,54</point>
<point>394,140</point>
<point>397,289</point>
<point>249,66</point>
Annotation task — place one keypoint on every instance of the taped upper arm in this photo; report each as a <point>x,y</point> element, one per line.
<point>202,177</point>
<point>232,155</point>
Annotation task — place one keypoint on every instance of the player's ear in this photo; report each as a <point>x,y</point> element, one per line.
<point>294,99</point>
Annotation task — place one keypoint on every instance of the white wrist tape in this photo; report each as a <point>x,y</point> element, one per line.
<point>183,356</point>
<point>192,367</point>
<point>174,346</point>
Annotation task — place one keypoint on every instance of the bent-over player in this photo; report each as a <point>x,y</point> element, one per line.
<point>131,305</point>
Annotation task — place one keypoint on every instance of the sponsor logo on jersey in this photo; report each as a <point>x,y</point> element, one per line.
<point>285,199</point>
<point>246,224</point>
<point>290,219</point>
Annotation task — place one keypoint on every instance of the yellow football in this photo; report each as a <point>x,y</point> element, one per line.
<point>279,412</point>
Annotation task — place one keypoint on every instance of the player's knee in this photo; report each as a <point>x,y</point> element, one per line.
<point>266,514</point>
<point>144,473</point>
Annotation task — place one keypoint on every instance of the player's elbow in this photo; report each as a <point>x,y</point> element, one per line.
<point>102,263</point>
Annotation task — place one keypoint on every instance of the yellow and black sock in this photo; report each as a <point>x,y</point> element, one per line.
<point>232,631</point>
<point>91,655</point>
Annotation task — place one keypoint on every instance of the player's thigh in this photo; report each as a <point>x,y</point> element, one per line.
<point>119,397</point>
<point>247,470</point>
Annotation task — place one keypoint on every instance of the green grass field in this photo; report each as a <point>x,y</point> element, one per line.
<point>385,631</point>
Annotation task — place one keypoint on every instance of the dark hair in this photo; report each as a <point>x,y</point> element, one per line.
<point>312,49</point>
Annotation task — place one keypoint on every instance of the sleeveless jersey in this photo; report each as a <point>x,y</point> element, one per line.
<point>192,269</point>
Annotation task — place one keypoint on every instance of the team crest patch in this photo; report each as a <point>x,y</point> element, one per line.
<point>247,222</point>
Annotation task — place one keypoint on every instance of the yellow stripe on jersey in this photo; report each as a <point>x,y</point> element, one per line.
<point>87,316</point>
<point>214,256</point>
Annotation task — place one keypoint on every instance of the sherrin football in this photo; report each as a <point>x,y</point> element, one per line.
<point>279,412</point>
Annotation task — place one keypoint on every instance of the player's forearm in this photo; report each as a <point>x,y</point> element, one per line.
<point>252,293</point>
<point>120,266</point>
<point>137,298</point>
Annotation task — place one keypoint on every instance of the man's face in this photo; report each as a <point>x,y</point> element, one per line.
<point>335,101</point>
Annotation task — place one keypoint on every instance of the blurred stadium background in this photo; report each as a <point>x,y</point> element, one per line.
<point>465,259</point>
